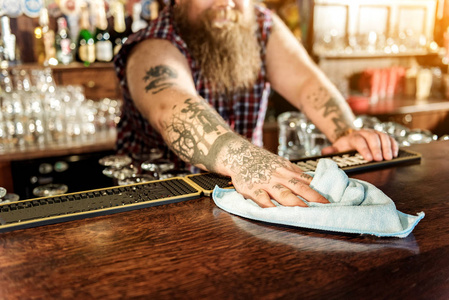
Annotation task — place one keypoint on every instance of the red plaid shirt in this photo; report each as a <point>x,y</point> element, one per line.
<point>244,111</point>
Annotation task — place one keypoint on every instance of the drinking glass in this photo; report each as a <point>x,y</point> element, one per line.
<point>397,131</point>
<point>316,140</point>
<point>364,121</point>
<point>420,136</point>
<point>21,80</point>
<point>13,119</point>
<point>5,81</point>
<point>293,141</point>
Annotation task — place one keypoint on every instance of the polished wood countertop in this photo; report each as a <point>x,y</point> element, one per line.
<point>194,250</point>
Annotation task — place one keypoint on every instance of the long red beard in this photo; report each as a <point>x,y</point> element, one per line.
<point>228,54</point>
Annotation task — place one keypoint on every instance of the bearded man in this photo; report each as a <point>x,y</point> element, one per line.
<point>197,79</point>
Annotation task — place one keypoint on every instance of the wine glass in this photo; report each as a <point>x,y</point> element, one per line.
<point>157,166</point>
<point>152,154</point>
<point>174,173</point>
<point>2,192</point>
<point>51,189</point>
<point>114,163</point>
<point>119,168</point>
<point>135,178</point>
<point>6,197</point>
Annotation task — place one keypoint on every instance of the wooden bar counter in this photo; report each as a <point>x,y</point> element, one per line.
<point>194,250</point>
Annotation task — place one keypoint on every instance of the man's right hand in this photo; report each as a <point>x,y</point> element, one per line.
<point>261,176</point>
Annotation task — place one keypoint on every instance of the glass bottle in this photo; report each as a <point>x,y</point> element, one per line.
<point>63,43</point>
<point>4,63</point>
<point>138,23</point>
<point>44,41</point>
<point>150,9</point>
<point>119,33</point>
<point>86,41</point>
<point>103,44</point>
<point>8,43</point>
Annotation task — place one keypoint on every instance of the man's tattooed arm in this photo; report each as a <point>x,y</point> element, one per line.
<point>330,108</point>
<point>159,78</point>
<point>200,136</point>
<point>197,134</point>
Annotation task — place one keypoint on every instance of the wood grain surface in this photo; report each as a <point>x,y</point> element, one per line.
<point>194,250</point>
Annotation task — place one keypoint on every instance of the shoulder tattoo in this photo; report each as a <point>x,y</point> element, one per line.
<point>159,78</point>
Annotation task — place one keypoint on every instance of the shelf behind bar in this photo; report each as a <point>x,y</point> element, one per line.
<point>96,143</point>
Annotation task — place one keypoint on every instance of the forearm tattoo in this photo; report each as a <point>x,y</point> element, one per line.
<point>159,78</point>
<point>323,101</point>
<point>191,129</point>
<point>197,134</point>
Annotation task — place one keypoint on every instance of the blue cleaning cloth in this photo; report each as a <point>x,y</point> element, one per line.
<point>355,206</point>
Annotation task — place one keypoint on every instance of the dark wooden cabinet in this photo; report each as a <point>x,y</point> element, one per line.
<point>98,80</point>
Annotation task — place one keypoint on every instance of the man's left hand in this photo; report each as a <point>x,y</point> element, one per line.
<point>371,144</point>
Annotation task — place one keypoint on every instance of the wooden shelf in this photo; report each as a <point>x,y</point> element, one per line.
<point>94,144</point>
<point>99,80</point>
<point>367,54</point>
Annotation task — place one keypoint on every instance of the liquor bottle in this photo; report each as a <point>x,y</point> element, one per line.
<point>63,43</point>
<point>150,9</point>
<point>44,41</point>
<point>138,23</point>
<point>4,63</point>
<point>86,43</point>
<point>154,9</point>
<point>8,43</point>
<point>4,59</point>
<point>119,33</point>
<point>103,44</point>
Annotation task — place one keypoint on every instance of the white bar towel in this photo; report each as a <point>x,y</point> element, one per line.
<point>356,207</point>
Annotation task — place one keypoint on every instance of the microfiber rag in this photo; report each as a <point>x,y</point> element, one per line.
<point>355,206</point>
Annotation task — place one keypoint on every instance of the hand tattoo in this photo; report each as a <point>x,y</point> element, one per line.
<point>253,165</point>
<point>278,186</point>
<point>294,181</point>
<point>305,176</point>
<point>257,193</point>
<point>159,78</point>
